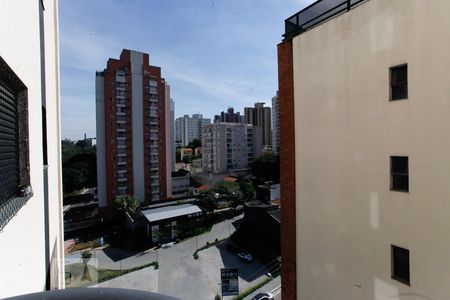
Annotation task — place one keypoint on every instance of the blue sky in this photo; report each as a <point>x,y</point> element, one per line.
<point>213,53</point>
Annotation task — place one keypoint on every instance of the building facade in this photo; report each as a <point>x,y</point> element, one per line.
<point>275,125</point>
<point>230,146</point>
<point>364,151</point>
<point>229,117</point>
<point>31,231</point>
<point>260,116</point>
<point>189,128</point>
<point>134,156</point>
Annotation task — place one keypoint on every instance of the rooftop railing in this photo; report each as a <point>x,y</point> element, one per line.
<point>315,14</point>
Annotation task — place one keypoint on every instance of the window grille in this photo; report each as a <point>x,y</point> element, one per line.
<point>15,187</point>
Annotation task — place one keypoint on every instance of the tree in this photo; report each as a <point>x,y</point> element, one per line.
<point>187,159</point>
<point>230,192</point>
<point>208,200</point>
<point>196,143</point>
<point>267,167</point>
<point>79,166</point>
<point>127,204</point>
<point>247,190</point>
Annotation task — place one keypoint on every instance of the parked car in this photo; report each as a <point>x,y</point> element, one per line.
<point>245,256</point>
<point>263,296</point>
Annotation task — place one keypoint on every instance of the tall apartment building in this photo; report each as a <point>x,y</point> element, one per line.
<point>276,124</point>
<point>249,114</point>
<point>190,128</point>
<point>260,116</point>
<point>134,156</point>
<point>31,230</point>
<point>229,117</point>
<point>230,146</point>
<point>364,115</point>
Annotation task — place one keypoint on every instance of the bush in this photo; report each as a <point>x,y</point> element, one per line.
<point>86,254</point>
<point>155,265</point>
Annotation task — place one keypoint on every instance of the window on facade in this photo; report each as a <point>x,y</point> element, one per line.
<point>15,187</point>
<point>399,173</point>
<point>399,82</point>
<point>400,264</point>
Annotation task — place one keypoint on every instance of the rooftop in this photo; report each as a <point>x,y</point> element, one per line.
<point>168,212</point>
<point>316,14</point>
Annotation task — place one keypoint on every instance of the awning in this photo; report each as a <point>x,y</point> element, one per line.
<point>169,212</point>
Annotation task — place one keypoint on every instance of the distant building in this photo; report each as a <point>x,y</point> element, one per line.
<point>275,125</point>
<point>181,182</point>
<point>186,153</point>
<point>268,192</point>
<point>197,163</point>
<point>134,143</point>
<point>189,128</point>
<point>229,117</point>
<point>198,151</point>
<point>229,146</point>
<point>31,225</point>
<point>260,116</point>
<point>249,114</point>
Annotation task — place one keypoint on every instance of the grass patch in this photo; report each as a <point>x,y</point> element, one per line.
<point>252,289</point>
<point>81,275</point>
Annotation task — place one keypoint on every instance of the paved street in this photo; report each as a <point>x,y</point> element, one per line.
<point>273,286</point>
<point>145,280</point>
<point>180,275</point>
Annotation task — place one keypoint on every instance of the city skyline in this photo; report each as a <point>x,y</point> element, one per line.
<point>247,72</point>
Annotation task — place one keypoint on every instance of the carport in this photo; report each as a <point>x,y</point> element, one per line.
<point>164,222</point>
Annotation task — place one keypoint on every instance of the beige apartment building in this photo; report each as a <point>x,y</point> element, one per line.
<point>365,125</point>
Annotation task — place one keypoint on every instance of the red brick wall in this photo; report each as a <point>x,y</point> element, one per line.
<point>287,165</point>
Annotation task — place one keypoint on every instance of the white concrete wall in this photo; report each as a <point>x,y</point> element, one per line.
<point>345,131</point>
<point>23,239</point>
<point>137,59</point>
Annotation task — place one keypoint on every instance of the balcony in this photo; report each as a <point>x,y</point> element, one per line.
<point>316,14</point>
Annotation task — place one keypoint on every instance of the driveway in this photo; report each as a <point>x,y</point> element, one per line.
<point>180,275</point>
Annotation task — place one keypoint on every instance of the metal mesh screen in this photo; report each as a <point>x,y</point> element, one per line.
<point>315,14</point>
<point>14,157</point>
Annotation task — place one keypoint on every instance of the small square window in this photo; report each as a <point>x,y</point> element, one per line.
<point>400,264</point>
<point>399,82</point>
<point>399,174</point>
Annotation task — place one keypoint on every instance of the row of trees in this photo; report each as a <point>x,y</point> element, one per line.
<point>232,193</point>
<point>267,167</point>
<point>79,164</point>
